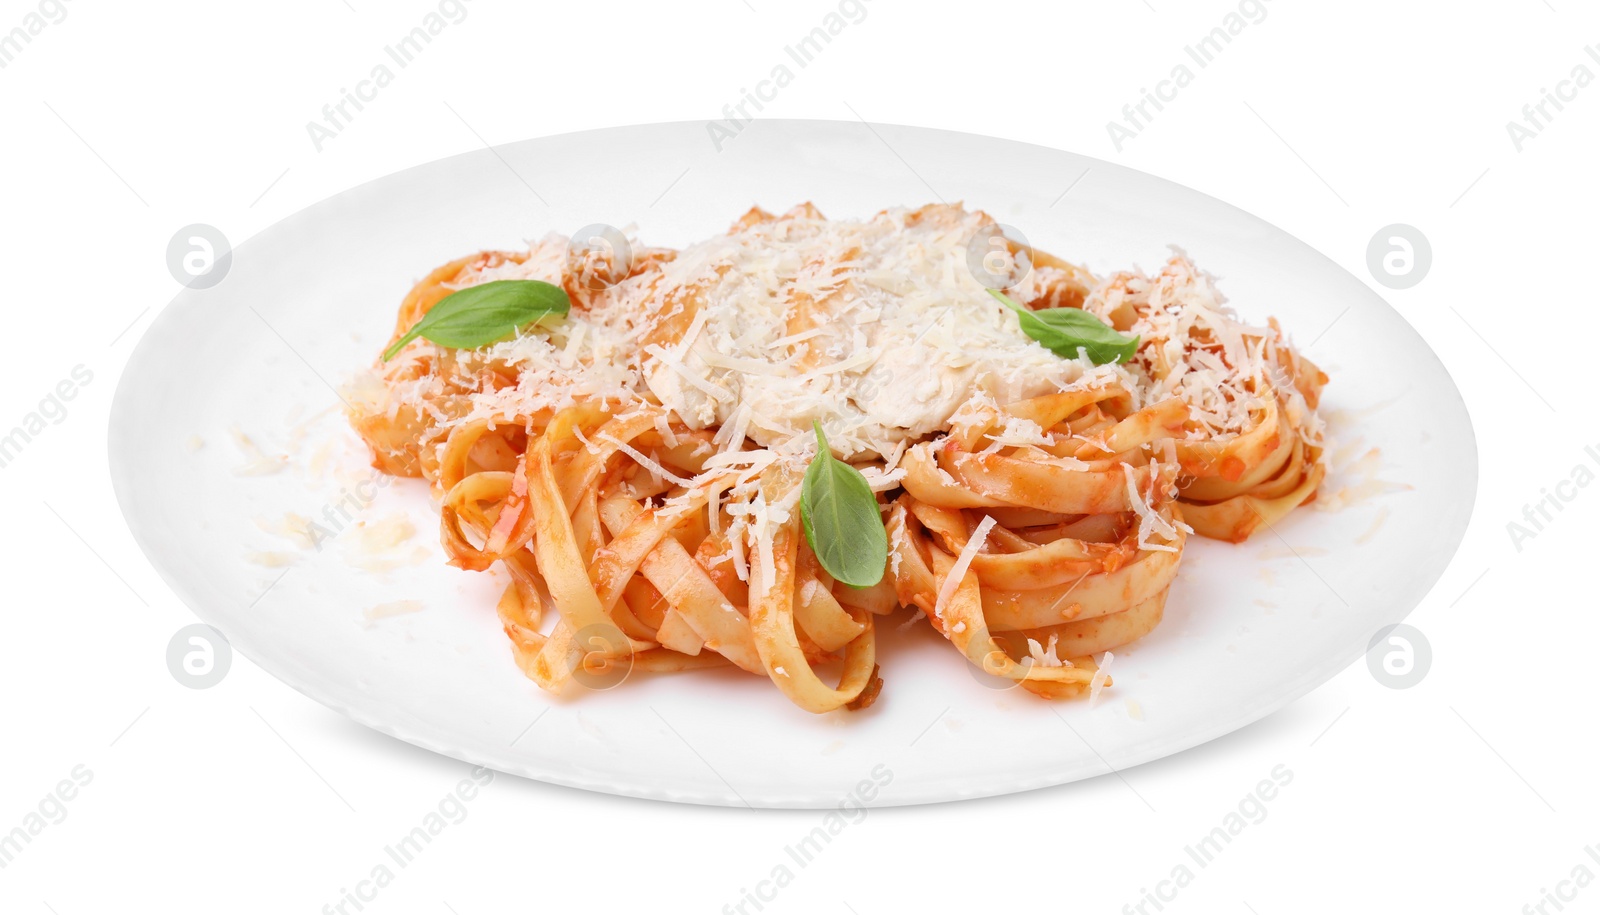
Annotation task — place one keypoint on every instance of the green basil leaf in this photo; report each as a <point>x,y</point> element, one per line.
<point>484,314</point>
<point>1064,331</point>
<point>841,518</point>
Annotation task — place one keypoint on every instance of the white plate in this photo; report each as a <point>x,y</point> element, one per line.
<point>1248,628</point>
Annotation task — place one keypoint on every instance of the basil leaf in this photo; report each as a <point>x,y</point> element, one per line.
<point>841,518</point>
<point>1064,331</point>
<point>484,314</point>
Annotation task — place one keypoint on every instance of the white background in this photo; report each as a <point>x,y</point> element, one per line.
<point>1472,791</point>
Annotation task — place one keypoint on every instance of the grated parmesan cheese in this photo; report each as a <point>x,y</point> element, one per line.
<point>1098,682</point>
<point>901,332</point>
<point>391,608</point>
<point>1045,655</point>
<point>959,570</point>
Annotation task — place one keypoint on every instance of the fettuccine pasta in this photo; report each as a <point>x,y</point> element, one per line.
<point>634,467</point>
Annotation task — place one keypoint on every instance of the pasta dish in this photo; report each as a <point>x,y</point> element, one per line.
<point>750,452</point>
